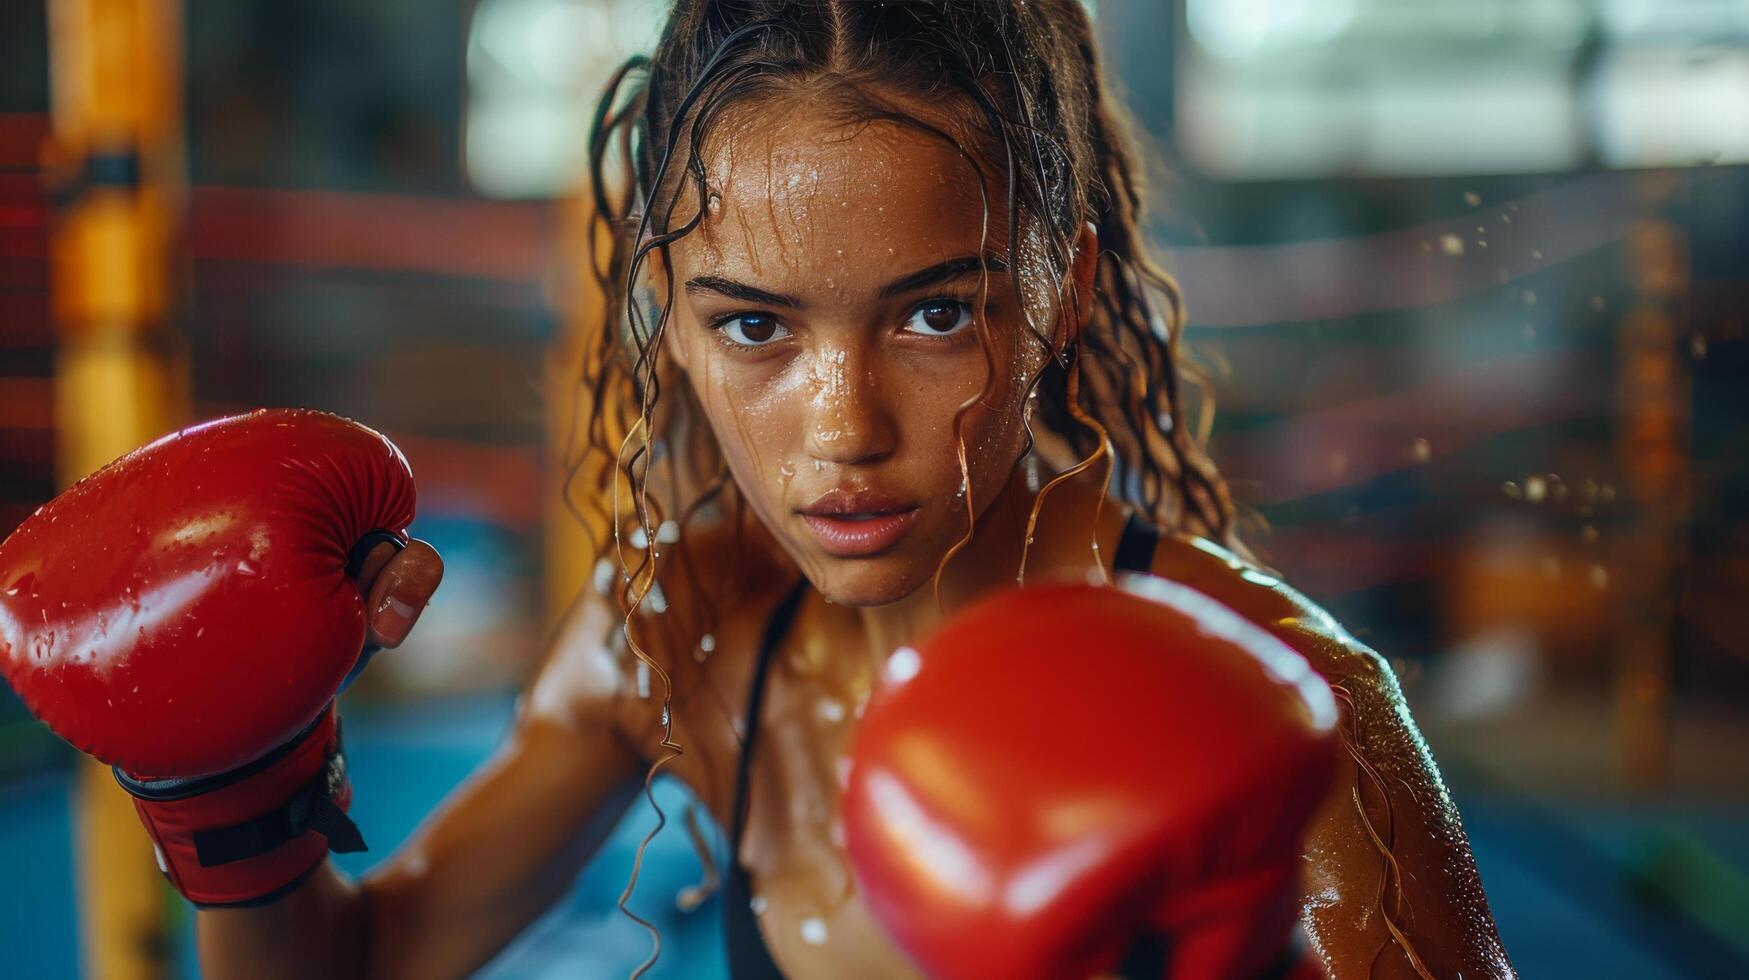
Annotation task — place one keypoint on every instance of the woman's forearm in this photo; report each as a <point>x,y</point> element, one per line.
<point>320,929</point>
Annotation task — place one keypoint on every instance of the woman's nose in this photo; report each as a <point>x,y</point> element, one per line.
<point>849,419</point>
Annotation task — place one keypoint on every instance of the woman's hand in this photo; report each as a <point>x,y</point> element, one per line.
<point>397,585</point>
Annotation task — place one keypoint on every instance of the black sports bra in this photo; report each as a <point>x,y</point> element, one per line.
<point>749,959</point>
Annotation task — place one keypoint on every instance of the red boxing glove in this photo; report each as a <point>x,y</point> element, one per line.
<point>1067,780</point>
<point>186,614</point>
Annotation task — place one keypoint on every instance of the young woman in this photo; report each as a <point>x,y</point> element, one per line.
<point>883,336</point>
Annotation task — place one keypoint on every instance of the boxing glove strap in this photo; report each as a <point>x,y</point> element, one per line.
<point>245,836</point>
<point>312,809</point>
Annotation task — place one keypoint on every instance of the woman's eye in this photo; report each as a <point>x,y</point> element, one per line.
<point>752,329</point>
<point>939,318</point>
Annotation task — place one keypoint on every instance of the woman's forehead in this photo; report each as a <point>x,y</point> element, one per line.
<point>799,190</point>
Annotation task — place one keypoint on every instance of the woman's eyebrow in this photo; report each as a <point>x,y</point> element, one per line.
<point>922,278</point>
<point>740,291</point>
<point>941,272</point>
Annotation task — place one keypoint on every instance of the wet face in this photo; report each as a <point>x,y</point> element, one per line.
<point>825,317</point>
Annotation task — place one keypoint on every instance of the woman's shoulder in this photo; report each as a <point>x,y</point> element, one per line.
<point>1390,837</point>
<point>1262,597</point>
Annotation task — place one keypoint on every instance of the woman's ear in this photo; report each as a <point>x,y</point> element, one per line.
<point>1083,275</point>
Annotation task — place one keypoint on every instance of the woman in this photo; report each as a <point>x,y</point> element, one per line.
<point>881,334</point>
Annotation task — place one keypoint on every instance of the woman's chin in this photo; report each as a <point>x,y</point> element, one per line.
<point>866,582</point>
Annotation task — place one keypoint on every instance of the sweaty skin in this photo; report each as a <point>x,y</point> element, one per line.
<point>823,364</point>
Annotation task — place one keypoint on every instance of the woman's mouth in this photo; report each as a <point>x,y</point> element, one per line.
<point>857,524</point>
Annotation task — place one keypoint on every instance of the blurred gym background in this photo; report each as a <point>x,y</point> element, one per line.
<point>1470,279</point>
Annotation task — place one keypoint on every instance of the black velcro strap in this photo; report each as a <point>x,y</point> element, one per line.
<point>311,809</point>
<point>330,821</point>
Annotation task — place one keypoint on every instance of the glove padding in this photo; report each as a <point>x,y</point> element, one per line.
<point>186,614</point>
<point>1067,780</point>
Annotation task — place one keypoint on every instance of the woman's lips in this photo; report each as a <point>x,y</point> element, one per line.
<point>860,535</point>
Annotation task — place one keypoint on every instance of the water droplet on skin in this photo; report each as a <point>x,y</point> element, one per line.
<point>814,931</point>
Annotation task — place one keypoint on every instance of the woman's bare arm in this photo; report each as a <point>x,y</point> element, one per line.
<point>1392,889</point>
<point>501,850</point>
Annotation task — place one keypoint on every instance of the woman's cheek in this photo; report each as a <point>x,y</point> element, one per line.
<point>990,429</point>
<point>757,423</point>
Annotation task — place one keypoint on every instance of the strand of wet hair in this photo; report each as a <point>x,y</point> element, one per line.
<point>1390,872</point>
<point>670,749</point>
